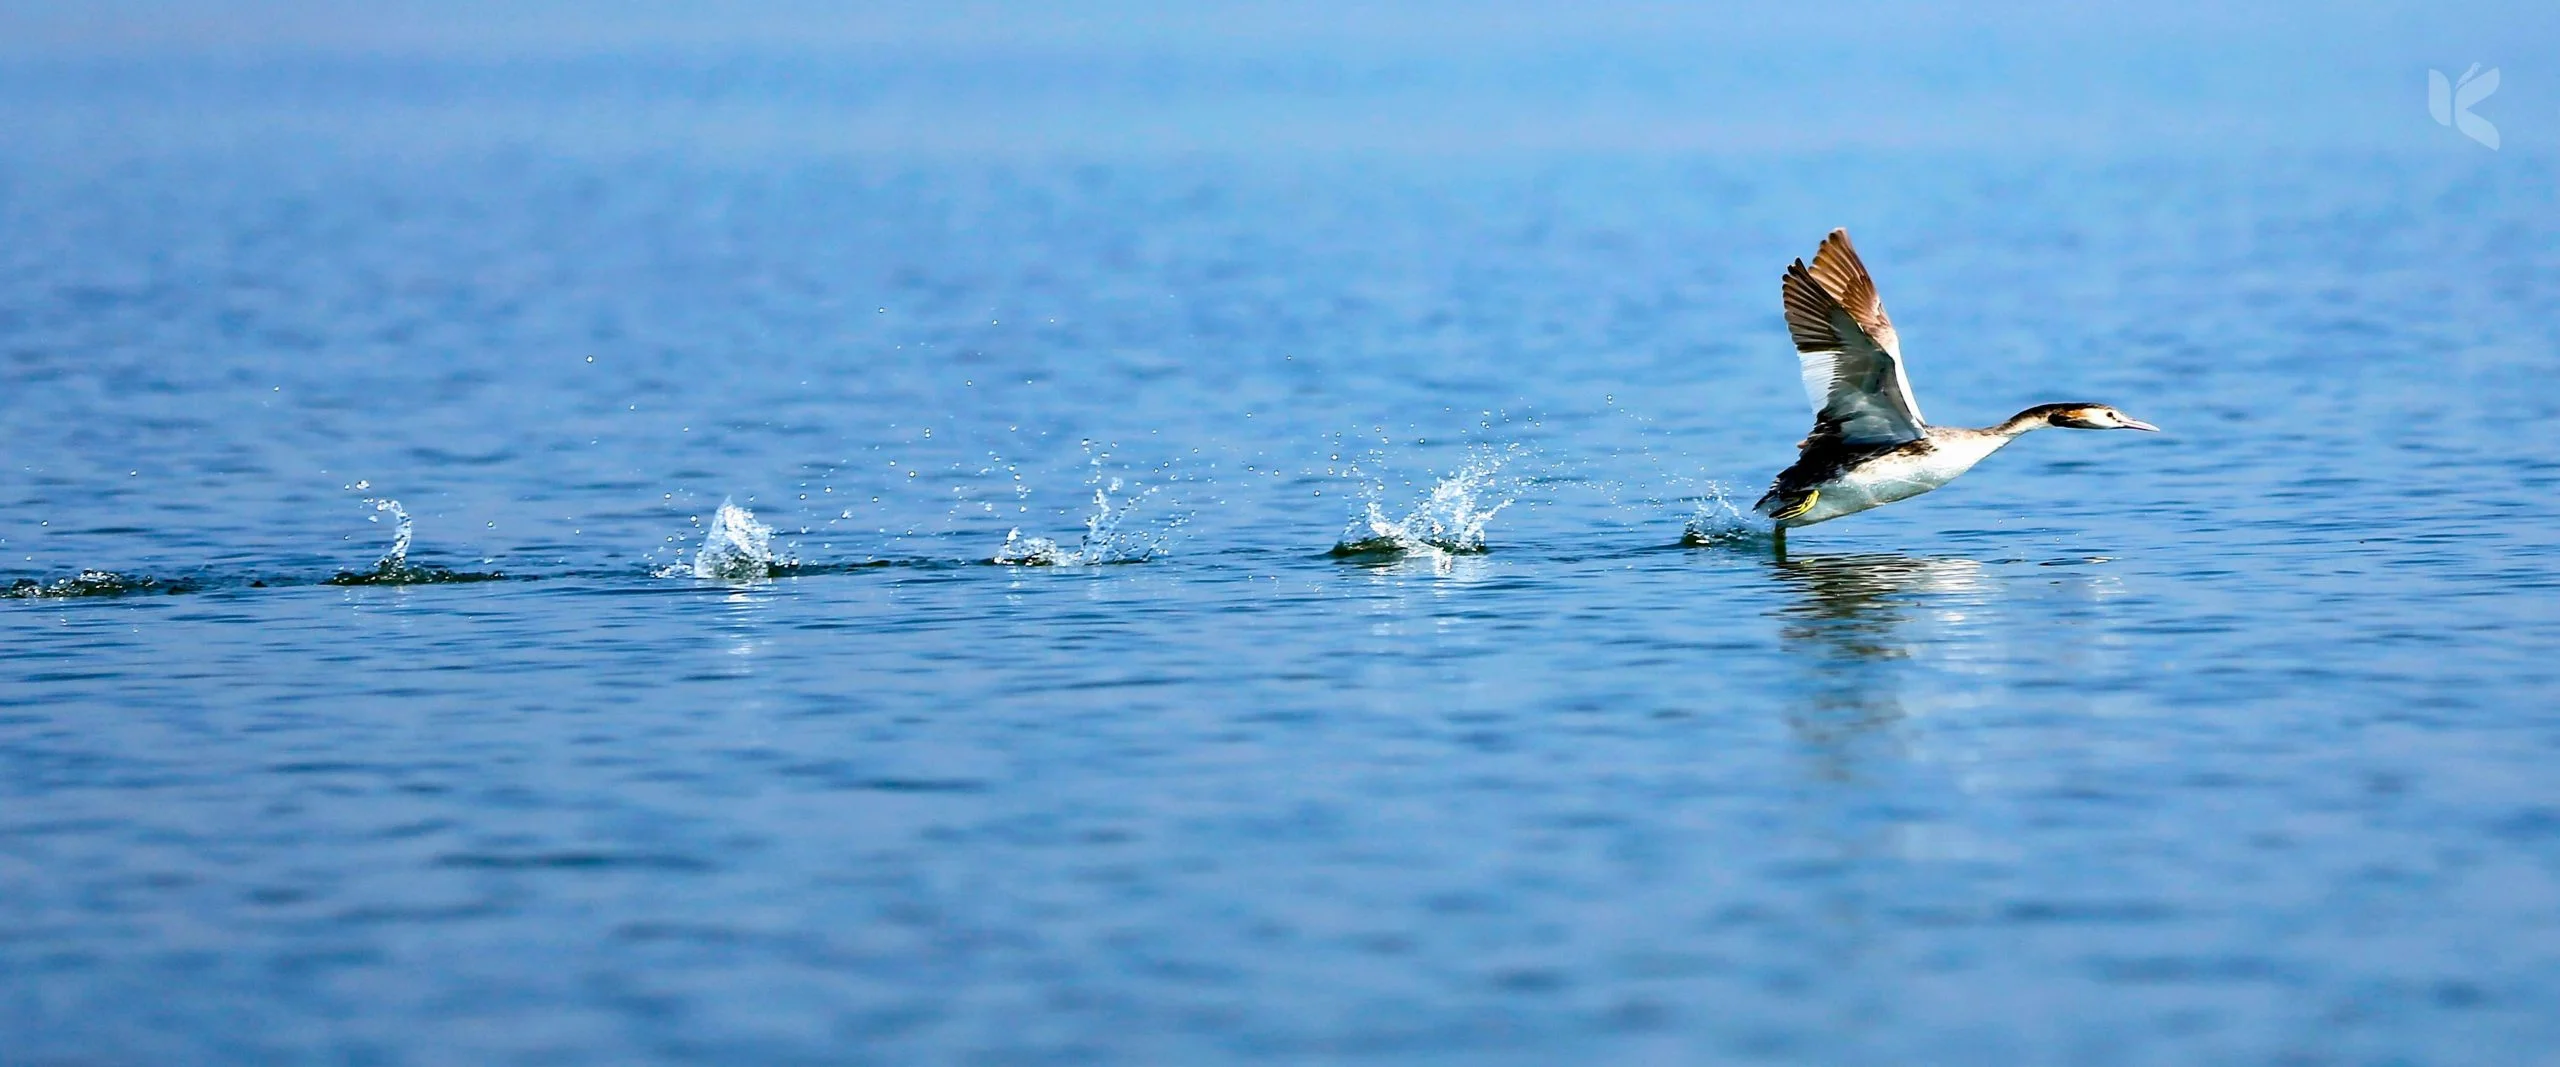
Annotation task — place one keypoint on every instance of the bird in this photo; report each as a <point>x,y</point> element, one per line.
<point>1869,446</point>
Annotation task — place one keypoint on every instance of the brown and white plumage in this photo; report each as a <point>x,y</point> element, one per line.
<point>1851,358</point>
<point>1869,444</point>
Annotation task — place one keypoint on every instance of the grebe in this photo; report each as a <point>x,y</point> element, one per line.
<point>1869,446</point>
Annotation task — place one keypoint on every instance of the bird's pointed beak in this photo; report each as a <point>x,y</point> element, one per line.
<point>2138,424</point>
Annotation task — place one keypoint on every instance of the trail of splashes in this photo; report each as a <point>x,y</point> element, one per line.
<point>1716,521</point>
<point>737,548</point>
<point>1105,539</point>
<point>1448,521</point>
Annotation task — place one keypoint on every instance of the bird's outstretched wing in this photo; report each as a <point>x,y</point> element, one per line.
<point>1852,360</point>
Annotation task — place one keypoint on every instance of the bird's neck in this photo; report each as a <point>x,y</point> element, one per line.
<point>2034,418</point>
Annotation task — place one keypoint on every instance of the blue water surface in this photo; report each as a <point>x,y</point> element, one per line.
<point>2230,745</point>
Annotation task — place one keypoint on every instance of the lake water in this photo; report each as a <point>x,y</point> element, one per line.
<point>2232,744</point>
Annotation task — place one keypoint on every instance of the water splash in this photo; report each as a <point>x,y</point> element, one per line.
<point>91,583</point>
<point>1716,521</point>
<point>1108,536</point>
<point>738,548</point>
<point>394,567</point>
<point>1450,520</point>
<point>398,558</point>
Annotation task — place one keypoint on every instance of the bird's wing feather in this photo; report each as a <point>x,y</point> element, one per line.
<point>1852,361</point>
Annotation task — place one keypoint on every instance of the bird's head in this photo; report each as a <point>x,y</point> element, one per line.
<point>2093,417</point>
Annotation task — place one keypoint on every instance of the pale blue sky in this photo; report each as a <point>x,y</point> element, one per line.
<point>1120,79</point>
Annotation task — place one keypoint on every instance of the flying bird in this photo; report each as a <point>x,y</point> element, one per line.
<point>1869,446</point>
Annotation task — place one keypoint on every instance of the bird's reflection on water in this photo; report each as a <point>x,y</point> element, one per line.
<point>1856,606</point>
<point>1850,625</point>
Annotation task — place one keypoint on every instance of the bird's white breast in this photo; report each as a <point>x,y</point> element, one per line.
<point>1900,476</point>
